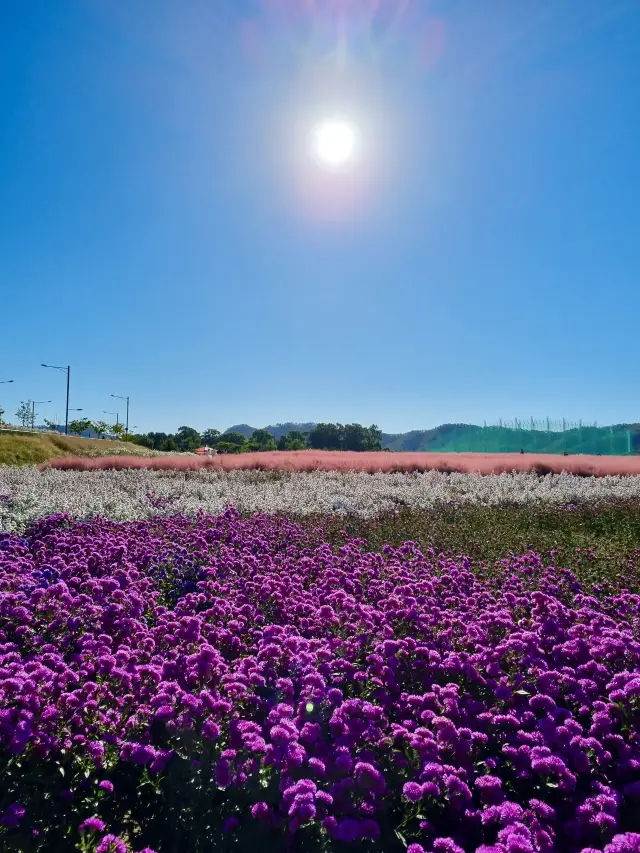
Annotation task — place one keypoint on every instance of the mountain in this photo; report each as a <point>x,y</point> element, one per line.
<point>276,430</point>
<point>243,429</point>
<point>461,438</point>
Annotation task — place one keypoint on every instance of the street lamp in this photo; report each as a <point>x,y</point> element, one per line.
<point>118,397</point>
<point>105,412</point>
<point>68,372</point>
<point>33,410</point>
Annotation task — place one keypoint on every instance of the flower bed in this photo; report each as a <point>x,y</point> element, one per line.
<point>372,462</point>
<point>26,494</point>
<point>219,684</point>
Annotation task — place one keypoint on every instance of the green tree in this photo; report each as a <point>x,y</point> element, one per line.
<point>80,426</point>
<point>326,437</point>
<point>373,440</point>
<point>359,438</point>
<point>117,430</point>
<point>187,439</point>
<point>1,414</point>
<point>141,440</point>
<point>158,439</point>
<point>354,437</point>
<point>24,413</point>
<point>236,438</point>
<point>293,440</point>
<point>210,437</point>
<point>52,425</point>
<point>101,427</point>
<point>262,439</point>
<point>230,446</point>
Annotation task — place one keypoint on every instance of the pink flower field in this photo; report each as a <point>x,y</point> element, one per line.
<point>325,460</point>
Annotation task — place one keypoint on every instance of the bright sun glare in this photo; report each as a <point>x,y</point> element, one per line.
<point>334,142</point>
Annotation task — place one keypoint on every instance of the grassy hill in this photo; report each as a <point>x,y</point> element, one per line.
<point>33,448</point>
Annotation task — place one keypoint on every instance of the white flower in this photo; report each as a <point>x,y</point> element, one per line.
<point>122,495</point>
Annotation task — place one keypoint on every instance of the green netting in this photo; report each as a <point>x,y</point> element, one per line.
<point>539,437</point>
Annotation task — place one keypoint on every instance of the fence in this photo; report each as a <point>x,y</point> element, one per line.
<point>546,436</point>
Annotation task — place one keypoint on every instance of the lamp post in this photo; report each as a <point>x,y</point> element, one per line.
<point>33,410</point>
<point>4,382</point>
<point>118,397</point>
<point>68,372</point>
<point>105,412</point>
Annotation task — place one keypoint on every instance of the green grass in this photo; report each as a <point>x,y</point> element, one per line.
<point>20,449</point>
<point>598,542</point>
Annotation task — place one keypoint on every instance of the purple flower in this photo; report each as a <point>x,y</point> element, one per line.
<point>446,845</point>
<point>260,811</point>
<point>230,824</point>
<point>369,777</point>
<point>210,730</point>
<point>412,791</point>
<point>490,788</point>
<point>223,773</point>
<point>627,842</point>
<point>111,844</point>
<point>13,815</point>
<point>106,785</point>
<point>370,829</point>
<point>91,824</point>
<point>348,830</point>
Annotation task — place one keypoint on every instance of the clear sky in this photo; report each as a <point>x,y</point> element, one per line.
<point>165,230</point>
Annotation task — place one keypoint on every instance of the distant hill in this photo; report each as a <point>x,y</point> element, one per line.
<point>276,430</point>
<point>460,438</point>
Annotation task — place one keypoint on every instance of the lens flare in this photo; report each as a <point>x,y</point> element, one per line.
<point>334,142</point>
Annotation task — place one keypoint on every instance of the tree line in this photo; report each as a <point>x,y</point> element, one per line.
<point>323,436</point>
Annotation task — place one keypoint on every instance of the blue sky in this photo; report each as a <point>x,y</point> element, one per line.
<point>164,231</point>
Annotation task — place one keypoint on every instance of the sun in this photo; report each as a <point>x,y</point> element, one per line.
<point>334,142</point>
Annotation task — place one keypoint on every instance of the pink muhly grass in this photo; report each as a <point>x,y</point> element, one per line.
<point>332,460</point>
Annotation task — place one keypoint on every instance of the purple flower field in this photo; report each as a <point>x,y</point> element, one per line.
<point>221,683</point>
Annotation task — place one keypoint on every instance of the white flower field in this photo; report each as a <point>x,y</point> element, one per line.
<point>27,494</point>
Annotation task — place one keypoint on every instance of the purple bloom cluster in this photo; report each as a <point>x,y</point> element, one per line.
<point>236,669</point>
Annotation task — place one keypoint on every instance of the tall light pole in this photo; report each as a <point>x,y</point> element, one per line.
<point>4,382</point>
<point>68,371</point>
<point>118,397</point>
<point>105,412</point>
<point>33,410</point>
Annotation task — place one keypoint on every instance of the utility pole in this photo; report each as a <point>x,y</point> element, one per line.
<point>126,399</point>
<point>68,370</point>
<point>33,410</point>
